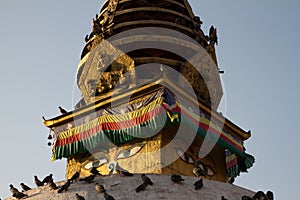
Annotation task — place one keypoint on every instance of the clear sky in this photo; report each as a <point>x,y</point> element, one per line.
<point>40,47</point>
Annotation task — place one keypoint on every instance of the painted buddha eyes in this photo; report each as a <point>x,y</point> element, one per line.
<point>205,168</point>
<point>126,153</point>
<point>186,157</point>
<point>103,157</point>
<point>100,161</point>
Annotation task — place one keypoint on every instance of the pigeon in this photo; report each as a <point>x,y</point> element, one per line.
<point>88,179</point>
<point>19,195</point>
<point>122,171</point>
<point>95,171</point>
<point>62,111</point>
<point>87,37</point>
<point>176,178</point>
<point>146,179</point>
<point>75,176</point>
<point>12,189</point>
<point>231,180</point>
<point>198,184</point>
<point>100,188</point>
<point>78,197</point>
<point>25,187</point>
<point>223,198</point>
<point>37,182</point>
<point>198,172</point>
<point>64,187</point>
<point>108,197</point>
<point>141,187</point>
<point>47,179</point>
<point>260,195</point>
<point>270,195</point>
<point>52,185</point>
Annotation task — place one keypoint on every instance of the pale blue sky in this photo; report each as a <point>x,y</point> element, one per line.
<point>41,43</point>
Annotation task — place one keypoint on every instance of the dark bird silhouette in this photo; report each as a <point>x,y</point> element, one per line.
<point>12,189</point>
<point>64,187</point>
<point>260,195</point>
<point>79,197</point>
<point>176,178</point>
<point>221,71</point>
<point>61,110</point>
<point>52,185</point>
<point>141,187</point>
<point>198,172</point>
<point>88,179</point>
<point>146,179</point>
<point>95,171</point>
<point>75,176</point>
<point>213,38</point>
<point>25,187</point>
<point>108,197</point>
<point>231,180</point>
<point>100,188</point>
<point>87,37</point>
<point>37,182</point>
<point>50,137</point>
<point>47,179</point>
<point>19,195</point>
<point>198,184</point>
<point>122,171</point>
<point>270,195</point>
<point>223,198</point>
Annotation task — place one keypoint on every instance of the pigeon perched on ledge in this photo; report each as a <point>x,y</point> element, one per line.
<point>176,178</point>
<point>47,179</point>
<point>100,188</point>
<point>198,184</point>
<point>52,185</point>
<point>12,189</point>
<point>270,195</point>
<point>19,195</point>
<point>62,111</point>
<point>64,187</point>
<point>25,187</point>
<point>75,176</point>
<point>146,179</point>
<point>95,171</point>
<point>141,187</point>
<point>79,197</point>
<point>37,182</point>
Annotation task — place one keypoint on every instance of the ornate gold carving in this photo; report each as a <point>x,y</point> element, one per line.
<point>200,37</point>
<point>104,68</point>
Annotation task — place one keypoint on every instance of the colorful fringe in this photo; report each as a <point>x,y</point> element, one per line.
<point>141,119</point>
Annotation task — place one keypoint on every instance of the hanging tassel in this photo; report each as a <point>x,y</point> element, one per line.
<point>49,143</point>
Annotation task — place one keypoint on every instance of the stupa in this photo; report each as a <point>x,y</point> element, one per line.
<point>151,88</point>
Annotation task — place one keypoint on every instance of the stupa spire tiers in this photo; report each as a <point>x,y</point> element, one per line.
<point>154,120</point>
<point>127,18</point>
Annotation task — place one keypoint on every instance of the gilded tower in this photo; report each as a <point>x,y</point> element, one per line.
<point>150,86</point>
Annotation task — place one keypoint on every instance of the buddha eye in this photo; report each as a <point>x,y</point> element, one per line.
<point>186,157</point>
<point>208,170</point>
<point>126,153</point>
<point>96,163</point>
